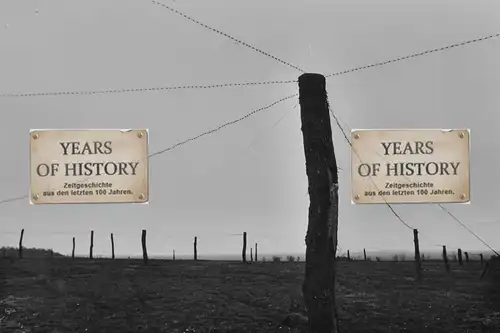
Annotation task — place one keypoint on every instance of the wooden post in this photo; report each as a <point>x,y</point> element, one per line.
<point>445,259</point>
<point>417,255</point>
<point>348,255</point>
<point>466,256</point>
<point>112,247</point>
<point>481,258</point>
<point>173,255</point>
<point>321,239</point>
<point>251,254</point>
<point>195,248</point>
<point>256,252</point>
<point>460,257</point>
<point>144,248</point>
<point>91,244</point>
<point>364,253</point>
<point>73,250</point>
<point>244,250</point>
<point>21,244</point>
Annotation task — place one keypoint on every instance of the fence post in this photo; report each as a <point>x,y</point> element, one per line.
<point>417,255</point>
<point>173,255</point>
<point>460,257</point>
<point>445,259</point>
<point>481,258</point>
<point>256,252</point>
<point>466,256</point>
<point>244,250</point>
<point>364,253</point>
<point>112,247</point>
<point>321,238</point>
<point>348,255</point>
<point>21,244</point>
<point>73,250</point>
<point>251,255</point>
<point>195,248</point>
<point>91,244</point>
<point>144,248</point>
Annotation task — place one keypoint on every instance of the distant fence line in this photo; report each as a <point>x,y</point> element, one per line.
<point>459,256</point>
<point>254,257</point>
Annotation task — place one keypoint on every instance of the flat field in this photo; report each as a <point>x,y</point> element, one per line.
<point>82,295</point>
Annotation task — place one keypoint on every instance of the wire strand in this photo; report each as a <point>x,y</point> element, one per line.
<point>383,198</point>
<point>190,139</point>
<point>468,229</point>
<point>132,90</point>
<point>414,55</point>
<point>228,36</point>
<point>223,125</point>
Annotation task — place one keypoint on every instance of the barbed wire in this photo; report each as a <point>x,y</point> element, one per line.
<point>190,139</point>
<point>223,125</point>
<point>150,89</point>
<point>225,85</point>
<point>228,36</point>
<point>414,55</point>
<point>95,92</point>
<point>468,229</point>
<point>355,152</point>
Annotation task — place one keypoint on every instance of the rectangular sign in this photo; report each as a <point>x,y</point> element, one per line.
<point>410,166</point>
<point>89,166</point>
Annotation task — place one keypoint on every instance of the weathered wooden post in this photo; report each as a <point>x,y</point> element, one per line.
<point>21,244</point>
<point>321,239</point>
<point>73,250</point>
<point>460,257</point>
<point>445,259</point>
<point>481,259</point>
<point>417,255</point>
<point>466,256</point>
<point>112,247</point>
<point>173,255</point>
<point>364,253</point>
<point>244,250</point>
<point>251,255</point>
<point>144,248</point>
<point>348,255</point>
<point>195,248</point>
<point>91,244</point>
<point>256,252</point>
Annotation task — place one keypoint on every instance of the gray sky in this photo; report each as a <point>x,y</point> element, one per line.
<point>250,176</point>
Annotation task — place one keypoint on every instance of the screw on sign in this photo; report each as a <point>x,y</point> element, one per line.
<point>89,166</point>
<point>410,166</point>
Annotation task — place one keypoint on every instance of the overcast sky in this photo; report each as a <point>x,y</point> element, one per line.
<point>249,176</point>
